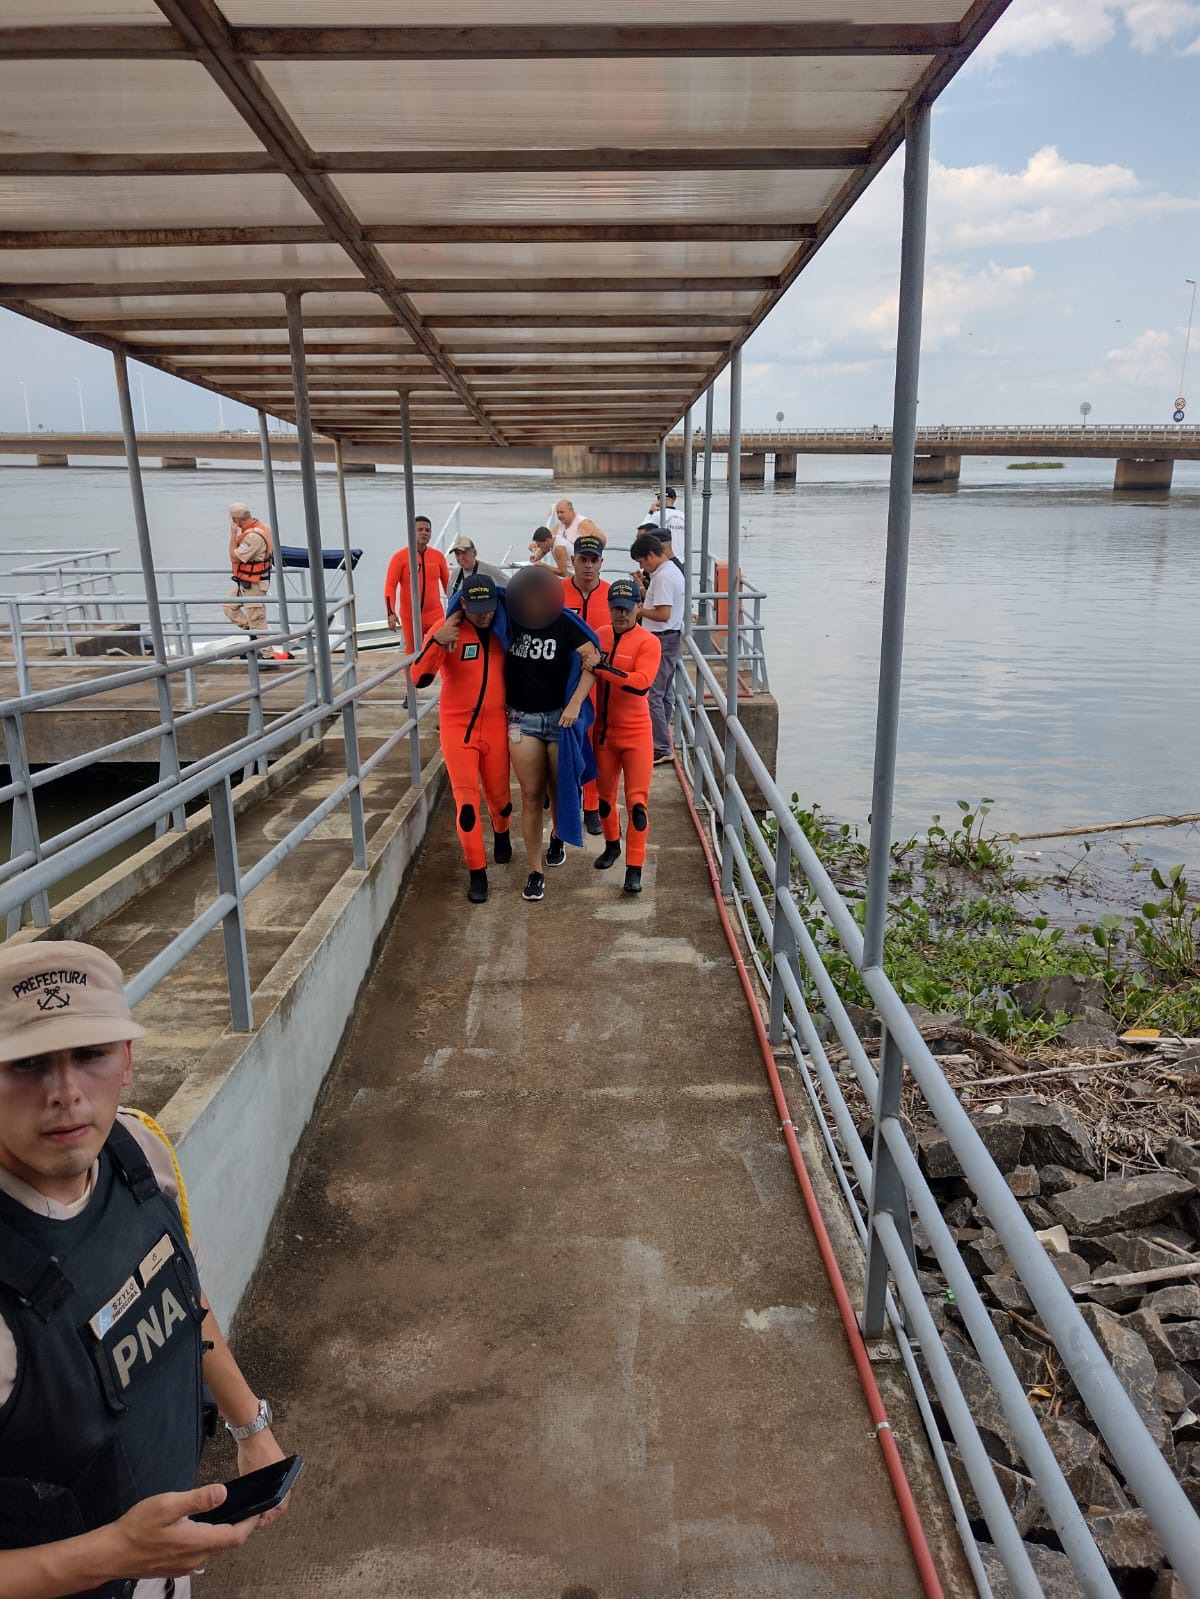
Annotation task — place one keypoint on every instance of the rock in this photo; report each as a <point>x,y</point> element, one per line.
<point>1184,1159</point>
<point>1026,1362</point>
<point>1095,1251</point>
<point>1054,1240</point>
<point>958,1212</point>
<point>1131,1360</point>
<point>1057,1179</point>
<point>1078,1454</point>
<point>1120,1202</point>
<point>1184,1339</point>
<point>1187,1428</point>
<point>1024,1182</point>
<point>1038,1214</point>
<point>1093,1030</point>
<point>1002,1137</point>
<point>1053,1572</point>
<point>1140,1252</point>
<point>1053,1135</point>
<point>1127,1541</point>
<point>1152,1333</point>
<point>1072,1269</point>
<point>864,1022</point>
<point>990,1419</point>
<point>1009,1293</point>
<point>1168,1586</point>
<point>1169,1387</point>
<point>1018,1490</point>
<point>1047,996</point>
<point>983,1253</point>
<point>1180,1302</point>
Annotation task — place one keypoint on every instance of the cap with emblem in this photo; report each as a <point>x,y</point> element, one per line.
<point>589,544</point>
<point>237,510</point>
<point>479,595</point>
<point>60,995</point>
<point>624,594</point>
<point>462,542</point>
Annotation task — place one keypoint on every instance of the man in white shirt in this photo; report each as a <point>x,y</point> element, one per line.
<point>662,615</point>
<point>672,520</point>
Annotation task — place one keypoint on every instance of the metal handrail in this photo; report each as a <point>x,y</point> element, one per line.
<point>778,917</point>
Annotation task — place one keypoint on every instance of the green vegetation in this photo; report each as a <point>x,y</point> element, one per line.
<point>1035,466</point>
<point>957,944</point>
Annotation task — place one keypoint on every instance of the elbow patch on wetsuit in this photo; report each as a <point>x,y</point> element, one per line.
<point>466,818</point>
<point>628,688</point>
<point>605,808</point>
<point>638,817</point>
<point>425,679</point>
<point>507,811</point>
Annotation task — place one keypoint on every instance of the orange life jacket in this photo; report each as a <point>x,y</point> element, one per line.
<point>255,571</point>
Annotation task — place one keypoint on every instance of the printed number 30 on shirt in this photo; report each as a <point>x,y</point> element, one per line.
<point>530,647</point>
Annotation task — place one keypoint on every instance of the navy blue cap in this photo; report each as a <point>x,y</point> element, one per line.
<point>479,595</point>
<point>624,594</point>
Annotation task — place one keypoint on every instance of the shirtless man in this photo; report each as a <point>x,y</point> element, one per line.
<point>573,524</point>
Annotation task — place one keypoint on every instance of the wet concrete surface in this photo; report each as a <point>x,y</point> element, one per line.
<point>544,1313</point>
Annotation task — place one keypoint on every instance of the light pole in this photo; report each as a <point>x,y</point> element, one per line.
<point>25,397</point>
<point>82,413</point>
<point>1187,340</point>
<point>220,414</point>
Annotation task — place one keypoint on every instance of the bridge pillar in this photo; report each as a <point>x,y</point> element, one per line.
<point>785,466</point>
<point>179,463</point>
<point>356,468</point>
<point>937,468</point>
<point>1142,473</point>
<point>753,469</point>
<point>47,459</point>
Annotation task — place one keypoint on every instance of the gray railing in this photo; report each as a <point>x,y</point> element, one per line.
<point>791,968</point>
<point>1175,433</point>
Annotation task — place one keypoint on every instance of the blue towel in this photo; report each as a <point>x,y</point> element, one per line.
<point>576,763</point>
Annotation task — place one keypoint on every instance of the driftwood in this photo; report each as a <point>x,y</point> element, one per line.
<point>1054,1071</point>
<point>1114,827</point>
<point>945,1033</point>
<point>1135,1279</point>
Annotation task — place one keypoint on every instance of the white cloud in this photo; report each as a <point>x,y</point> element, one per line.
<point>952,296</point>
<point>1148,361</point>
<point>1149,26</point>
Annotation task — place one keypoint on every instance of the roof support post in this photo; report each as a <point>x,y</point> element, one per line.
<point>705,506</point>
<point>168,754</point>
<point>731,820</point>
<point>347,557</point>
<point>312,510</point>
<point>888,1195</point>
<point>264,438</point>
<point>662,482</point>
<point>686,552</point>
<point>410,518</point>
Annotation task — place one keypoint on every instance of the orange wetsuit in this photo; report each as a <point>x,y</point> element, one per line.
<point>593,608</point>
<point>473,724</point>
<point>622,737</point>
<point>433,581</point>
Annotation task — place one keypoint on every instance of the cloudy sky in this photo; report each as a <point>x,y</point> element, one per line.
<point>1065,218</point>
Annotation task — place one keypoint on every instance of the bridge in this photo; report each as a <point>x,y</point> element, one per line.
<point>581,1245</point>
<point>1145,453</point>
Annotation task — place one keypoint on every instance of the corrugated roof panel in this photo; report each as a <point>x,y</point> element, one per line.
<point>572,260</point>
<point>81,201</point>
<point>117,264</point>
<point>333,13</point>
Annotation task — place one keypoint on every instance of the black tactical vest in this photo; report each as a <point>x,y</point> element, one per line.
<point>105,1311</point>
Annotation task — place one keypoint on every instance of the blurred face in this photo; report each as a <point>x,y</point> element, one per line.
<point>586,569</point>
<point>466,559</point>
<point>564,511</point>
<point>622,619</point>
<point>424,534</point>
<point>534,597</point>
<point>56,1111</point>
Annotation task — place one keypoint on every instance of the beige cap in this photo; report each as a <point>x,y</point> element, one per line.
<point>238,509</point>
<point>462,542</point>
<point>60,995</point>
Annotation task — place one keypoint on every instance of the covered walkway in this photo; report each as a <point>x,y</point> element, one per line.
<point>545,1314</point>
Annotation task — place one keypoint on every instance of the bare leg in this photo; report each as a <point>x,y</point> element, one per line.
<point>530,765</point>
<point>552,785</point>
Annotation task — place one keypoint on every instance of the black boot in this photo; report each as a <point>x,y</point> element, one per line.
<point>610,857</point>
<point>592,823</point>
<point>633,879</point>
<point>478,889</point>
<point>501,848</point>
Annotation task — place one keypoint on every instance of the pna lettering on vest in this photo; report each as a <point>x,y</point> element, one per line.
<point>152,1332</point>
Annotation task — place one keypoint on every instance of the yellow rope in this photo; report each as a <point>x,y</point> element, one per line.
<point>148,1121</point>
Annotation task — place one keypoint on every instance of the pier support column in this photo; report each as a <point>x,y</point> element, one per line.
<point>46,459</point>
<point>1140,473</point>
<point>937,468</point>
<point>179,463</point>
<point>753,468</point>
<point>357,468</point>
<point>785,466</point>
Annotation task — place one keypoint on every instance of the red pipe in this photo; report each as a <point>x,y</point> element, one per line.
<point>883,1427</point>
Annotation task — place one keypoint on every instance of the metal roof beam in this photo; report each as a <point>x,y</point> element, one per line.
<point>159,288</point>
<point>481,232</point>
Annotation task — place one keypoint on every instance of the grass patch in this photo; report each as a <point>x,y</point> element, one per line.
<point>1034,466</point>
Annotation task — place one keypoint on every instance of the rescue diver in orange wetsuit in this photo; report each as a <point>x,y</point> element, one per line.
<point>622,735</point>
<point>586,593</point>
<point>473,723</point>
<point>433,584</point>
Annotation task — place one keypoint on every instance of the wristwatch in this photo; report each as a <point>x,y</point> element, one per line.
<point>260,1423</point>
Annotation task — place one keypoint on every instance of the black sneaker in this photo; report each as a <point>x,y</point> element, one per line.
<point>501,848</point>
<point>478,890</point>
<point>556,855</point>
<point>633,879</point>
<point>610,857</point>
<point>535,886</point>
<point>592,823</point>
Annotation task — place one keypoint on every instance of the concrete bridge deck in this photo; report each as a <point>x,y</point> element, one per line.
<point>544,1313</point>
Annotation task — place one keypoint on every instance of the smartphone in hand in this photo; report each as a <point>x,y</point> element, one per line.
<point>255,1493</point>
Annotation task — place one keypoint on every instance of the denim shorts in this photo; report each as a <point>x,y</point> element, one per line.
<point>536,724</point>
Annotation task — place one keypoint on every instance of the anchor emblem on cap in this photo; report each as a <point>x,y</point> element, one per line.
<point>54,999</point>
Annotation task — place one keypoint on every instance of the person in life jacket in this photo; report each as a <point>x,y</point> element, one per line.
<point>251,553</point>
<point>622,734</point>
<point>107,1342</point>
<point>468,651</point>
<point>586,593</point>
<point>433,583</point>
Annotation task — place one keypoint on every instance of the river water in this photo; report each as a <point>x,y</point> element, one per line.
<point>1053,651</point>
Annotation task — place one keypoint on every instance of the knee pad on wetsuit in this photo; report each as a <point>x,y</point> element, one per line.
<point>507,811</point>
<point>639,818</point>
<point>605,808</point>
<point>466,818</point>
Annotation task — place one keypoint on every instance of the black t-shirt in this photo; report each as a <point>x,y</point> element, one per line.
<point>538,663</point>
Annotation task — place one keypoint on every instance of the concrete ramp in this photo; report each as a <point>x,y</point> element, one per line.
<point>544,1313</point>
